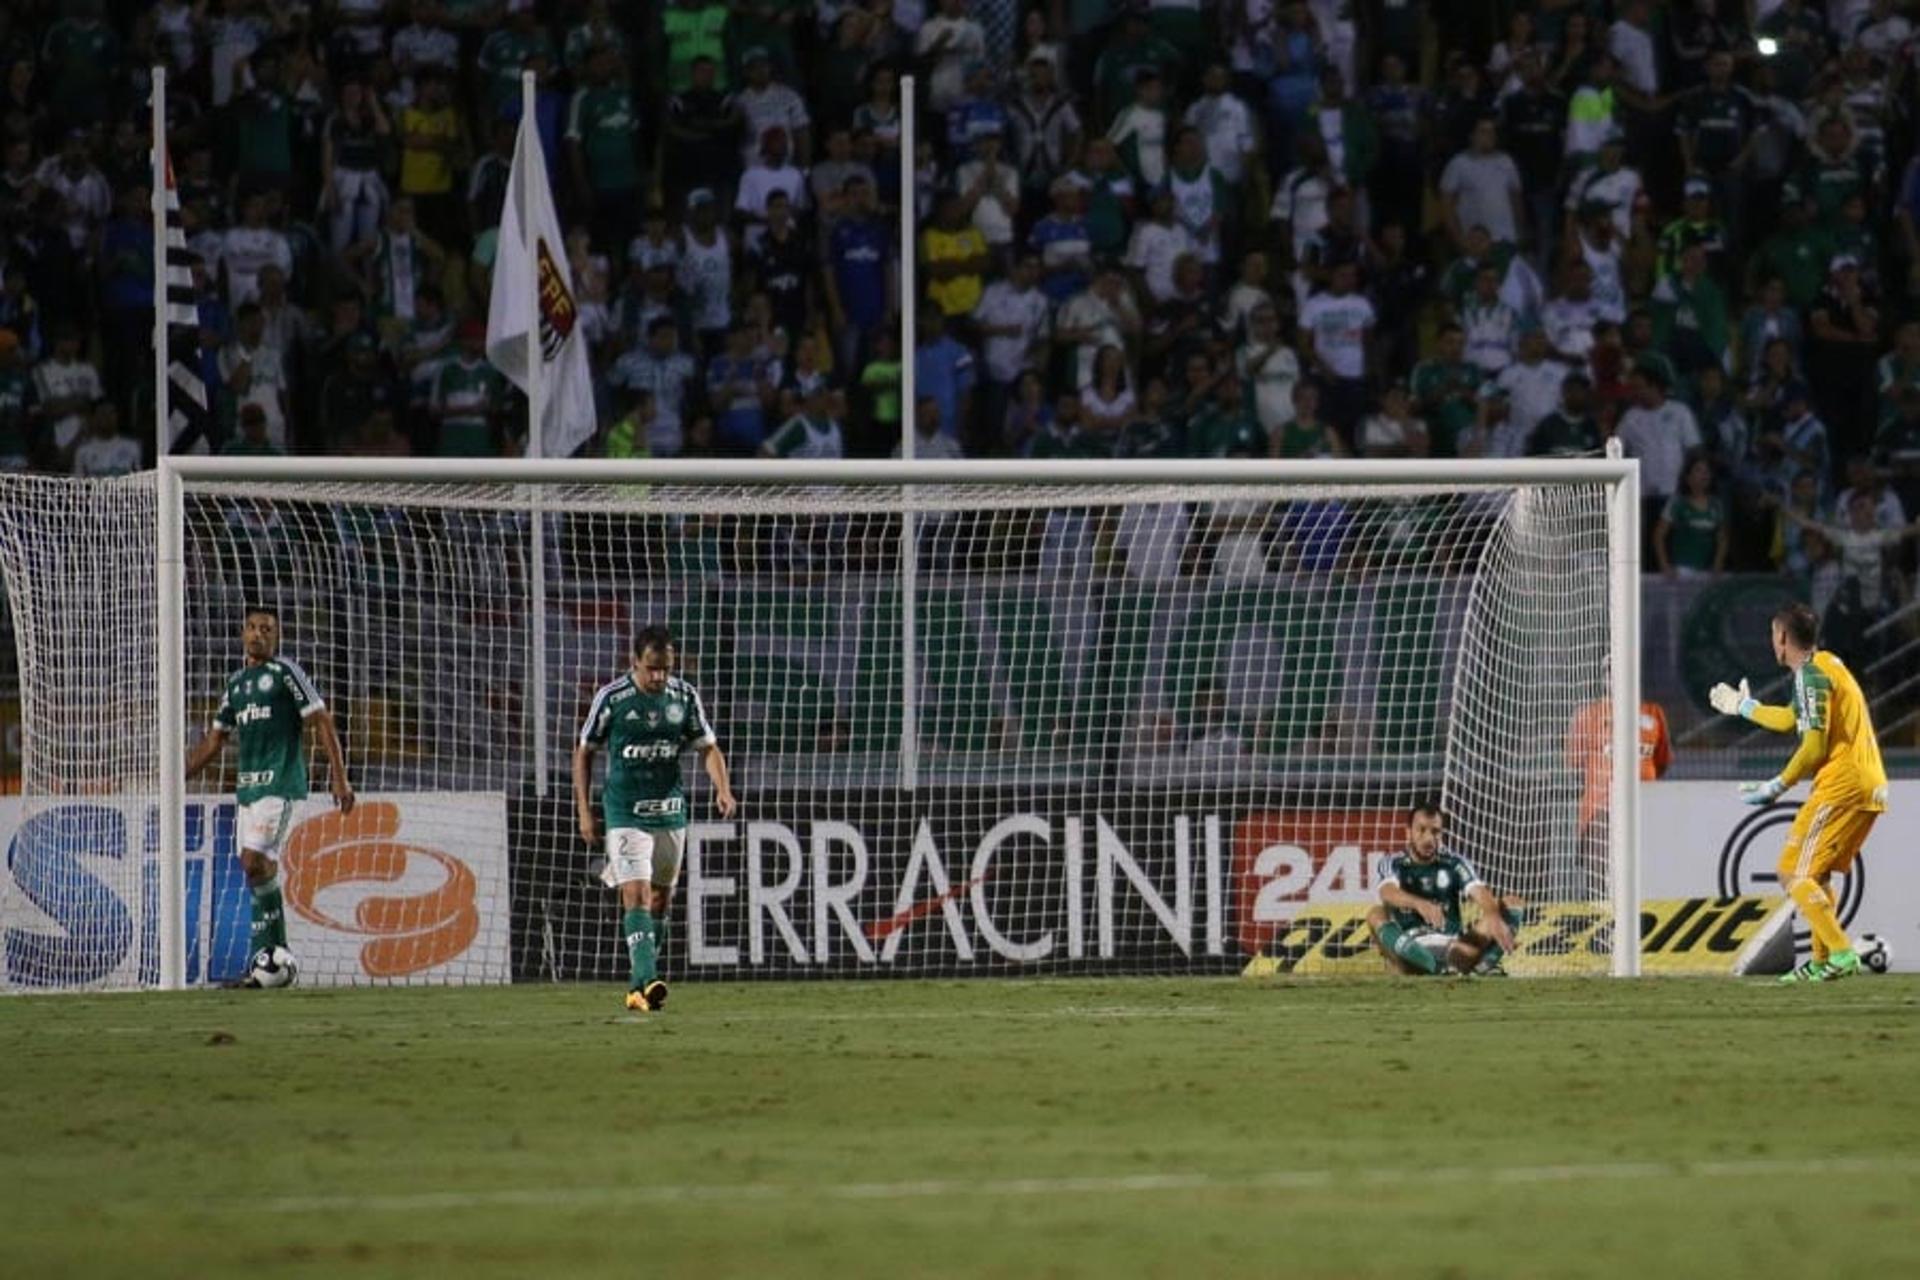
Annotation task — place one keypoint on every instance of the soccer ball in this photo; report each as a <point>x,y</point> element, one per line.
<point>1875,953</point>
<point>273,967</point>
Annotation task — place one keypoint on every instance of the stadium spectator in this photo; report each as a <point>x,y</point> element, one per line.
<point>1574,203</point>
<point>1659,431</point>
<point>1690,536</point>
<point>105,451</point>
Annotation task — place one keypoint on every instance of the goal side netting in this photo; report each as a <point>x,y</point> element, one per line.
<point>1141,726</point>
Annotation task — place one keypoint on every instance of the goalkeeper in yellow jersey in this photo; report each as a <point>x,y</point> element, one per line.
<point>1838,748</point>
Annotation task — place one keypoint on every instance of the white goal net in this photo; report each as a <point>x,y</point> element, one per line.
<point>1136,725</point>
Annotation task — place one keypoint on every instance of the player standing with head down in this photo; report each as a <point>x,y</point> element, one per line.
<point>1416,924</point>
<point>1838,747</point>
<point>646,719</point>
<point>267,704</point>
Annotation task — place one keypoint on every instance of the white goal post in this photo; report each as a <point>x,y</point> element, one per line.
<point>984,717</point>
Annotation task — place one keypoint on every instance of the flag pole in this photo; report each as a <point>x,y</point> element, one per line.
<point>536,447</point>
<point>909,417</point>
<point>169,581</point>
<point>162,428</point>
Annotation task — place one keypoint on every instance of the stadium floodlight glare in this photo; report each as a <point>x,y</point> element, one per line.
<point>1141,690</point>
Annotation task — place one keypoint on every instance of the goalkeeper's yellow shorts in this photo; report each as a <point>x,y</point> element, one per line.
<point>1826,838</point>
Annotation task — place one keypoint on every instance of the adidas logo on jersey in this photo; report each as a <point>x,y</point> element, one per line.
<point>633,715</point>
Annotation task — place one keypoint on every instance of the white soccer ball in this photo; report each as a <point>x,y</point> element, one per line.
<point>274,967</point>
<point>1875,953</point>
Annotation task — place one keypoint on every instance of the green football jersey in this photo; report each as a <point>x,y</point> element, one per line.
<point>603,122</point>
<point>645,734</point>
<point>266,708</point>
<point>1443,879</point>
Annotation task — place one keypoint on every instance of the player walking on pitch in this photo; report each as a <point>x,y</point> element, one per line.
<point>1838,747</point>
<point>645,719</point>
<point>267,704</point>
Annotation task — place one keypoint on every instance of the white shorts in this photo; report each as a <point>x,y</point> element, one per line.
<point>263,825</point>
<point>636,855</point>
<point>1436,944</point>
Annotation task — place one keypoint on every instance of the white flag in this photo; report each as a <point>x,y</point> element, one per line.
<point>531,279</point>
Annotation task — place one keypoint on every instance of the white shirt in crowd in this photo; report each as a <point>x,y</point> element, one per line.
<point>1379,431</point>
<point>1148,129</point>
<point>1483,188</point>
<point>760,181</point>
<point>1088,310</point>
<point>1152,252</point>
<point>1533,391</point>
<point>938,447</point>
<point>1300,201</point>
<point>89,198</point>
<point>57,379</point>
<point>422,45</point>
<point>1003,304</point>
<point>1660,437</point>
<point>1639,61</point>
<point>1888,511</point>
<point>1569,325</point>
<point>1339,327</point>
<point>774,107</point>
<point>1618,190</point>
<point>107,456</point>
<point>246,252</point>
<point>992,218</point>
<point>1228,127</point>
<point>967,42</point>
<point>1242,301</point>
<point>267,384</point>
<point>1273,375</point>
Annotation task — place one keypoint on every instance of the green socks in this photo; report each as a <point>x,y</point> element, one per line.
<point>639,928</point>
<point>1494,952</point>
<point>1402,944</point>
<point>269,925</point>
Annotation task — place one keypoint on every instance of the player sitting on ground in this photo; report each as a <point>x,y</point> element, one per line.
<point>268,703</point>
<point>645,719</point>
<point>1417,926</point>
<point>1837,746</point>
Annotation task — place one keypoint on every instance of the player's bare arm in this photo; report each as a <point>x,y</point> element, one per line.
<point>1492,923</point>
<point>715,763</point>
<point>583,794</point>
<point>338,784</point>
<point>1400,900</point>
<point>205,750</point>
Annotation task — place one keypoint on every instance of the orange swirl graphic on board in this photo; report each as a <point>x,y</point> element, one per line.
<point>408,934</point>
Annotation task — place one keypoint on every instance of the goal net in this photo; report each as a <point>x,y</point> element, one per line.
<point>1160,721</point>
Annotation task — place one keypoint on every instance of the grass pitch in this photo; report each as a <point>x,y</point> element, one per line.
<point>1082,1127</point>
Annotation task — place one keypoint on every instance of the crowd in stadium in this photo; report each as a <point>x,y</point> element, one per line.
<point>1214,228</point>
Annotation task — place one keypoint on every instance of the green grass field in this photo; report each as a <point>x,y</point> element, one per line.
<point>1079,1127</point>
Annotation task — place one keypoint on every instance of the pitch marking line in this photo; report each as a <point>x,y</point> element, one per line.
<point>1278,1179</point>
<point>694,1016</point>
<point>706,1017</point>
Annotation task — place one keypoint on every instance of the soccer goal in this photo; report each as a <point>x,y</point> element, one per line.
<point>983,718</point>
